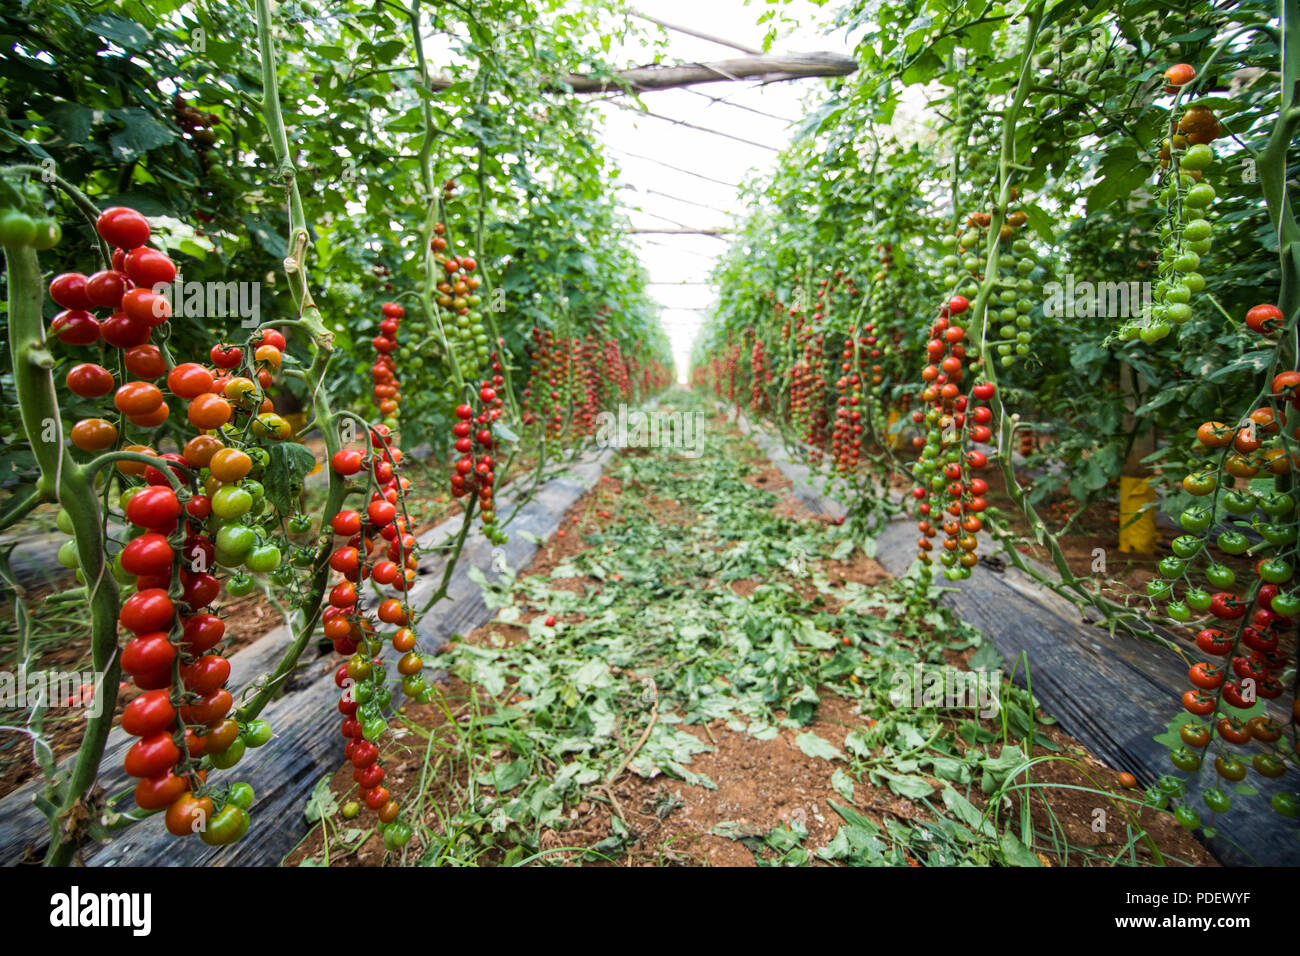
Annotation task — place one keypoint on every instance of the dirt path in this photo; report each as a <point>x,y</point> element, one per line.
<point>719,686</point>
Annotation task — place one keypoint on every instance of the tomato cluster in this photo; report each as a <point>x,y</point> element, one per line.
<point>1185,233</point>
<point>194,516</point>
<point>760,376</point>
<point>947,488</point>
<point>1242,661</point>
<point>349,625</point>
<point>458,295</point>
<point>23,220</point>
<point>474,471</point>
<point>385,388</point>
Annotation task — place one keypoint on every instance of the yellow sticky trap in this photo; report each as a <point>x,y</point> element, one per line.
<point>893,439</point>
<point>1137,528</point>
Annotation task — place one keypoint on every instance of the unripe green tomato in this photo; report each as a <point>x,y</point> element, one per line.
<point>1197,157</point>
<point>241,795</point>
<point>1199,196</point>
<point>257,733</point>
<point>231,501</point>
<point>68,554</point>
<point>228,757</point>
<point>1194,281</point>
<point>63,521</point>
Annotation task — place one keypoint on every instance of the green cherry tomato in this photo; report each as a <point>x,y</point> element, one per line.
<point>1216,800</point>
<point>1233,542</point>
<point>372,730</point>
<point>1239,502</point>
<point>1200,483</point>
<point>257,733</point>
<point>240,584</point>
<point>1187,818</point>
<point>225,826</point>
<point>254,488</point>
<point>1287,804</point>
<point>1158,590</point>
<point>1275,571</point>
<point>67,554</point>
<point>1230,768</point>
<point>1171,567</point>
<point>236,540</point>
<point>63,521</point>
<point>300,524</point>
<point>263,559</point>
<point>231,501</point>
<point>283,575</point>
<point>1220,575</point>
<point>241,795</point>
<point>1276,504</point>
<point>1180,611</point>
<point>1185,759</point>
<point>16,229</point>
<point>230,756</point>
<point>396,835</point>
<point>1186,545</point>
<point>1287,603</point>
<point>1269,765</point>
<point>1195,518</point>
<point>1171,785</point>
<point>350,810</point>
<point>1277,534</point>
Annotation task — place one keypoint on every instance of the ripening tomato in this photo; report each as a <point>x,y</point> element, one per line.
<point>147,611</point>
<point>75,327</point>
<point>209,411</point>
<point>148,554</point>
<point>189,380</point>
<point>123,332</point>
<point>149,268</point>
<point>150,713</point>
<point>155,507</point>
<point>147,306</point>
<point>151,756</point>
<point>226,356</point>
<point>89,380</point>
<point>94,434</point>
<point>209,707</point>
<point>106,288</point>
<point>188,814</point>
<point>122,227</point>
<point>69,291</point>
<point>137,398</point>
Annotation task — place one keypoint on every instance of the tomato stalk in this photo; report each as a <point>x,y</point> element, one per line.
<point>72,486</point>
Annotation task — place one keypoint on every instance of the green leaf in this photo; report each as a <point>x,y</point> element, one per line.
<point>1015,853</point>
<point>140,133</point>
<point>289,465</point>
<point>815,746</point>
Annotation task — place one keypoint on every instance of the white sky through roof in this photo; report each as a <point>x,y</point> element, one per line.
<point>678,265</point>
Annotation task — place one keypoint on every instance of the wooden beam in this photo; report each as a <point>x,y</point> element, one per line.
<point>640,79</point>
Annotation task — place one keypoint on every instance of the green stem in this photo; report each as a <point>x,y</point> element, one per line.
<point>72,486</point>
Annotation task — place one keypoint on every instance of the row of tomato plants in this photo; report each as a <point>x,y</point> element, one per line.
<point>223,507</point>
<point>850,419</point>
